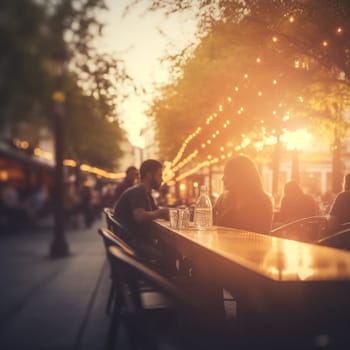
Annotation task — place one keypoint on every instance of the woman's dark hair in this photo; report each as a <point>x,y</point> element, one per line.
<point>149,166</point>
<point>292,188</point>
<point>242,169</point>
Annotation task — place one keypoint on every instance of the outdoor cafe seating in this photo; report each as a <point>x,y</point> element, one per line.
<point>154,309</point>
<point>287,293</point>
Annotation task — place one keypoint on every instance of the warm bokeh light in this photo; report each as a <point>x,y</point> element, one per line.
<point>270,134</point>
<point>299,139</point>
<point>4,175</point>
<point>295,260</point>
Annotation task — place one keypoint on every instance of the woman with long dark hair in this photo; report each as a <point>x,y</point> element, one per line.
<point>244,204</point>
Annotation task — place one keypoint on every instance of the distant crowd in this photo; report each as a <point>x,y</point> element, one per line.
<point>241,204</point>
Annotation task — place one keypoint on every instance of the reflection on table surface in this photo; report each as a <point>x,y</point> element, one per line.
<point>276,258</point>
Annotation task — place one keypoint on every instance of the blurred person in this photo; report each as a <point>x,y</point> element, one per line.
<point>15,210</point>
<point>244,203</point>
<point>132,175</point>
<point>327,199</point>
<point>136,208</point>
<point>38,202</point>
<point>162,200</point>
<point>295,204</point>
<point>9,195</point>
<point>107,195</point>
<point>96,202</point>
<point>339,212</point>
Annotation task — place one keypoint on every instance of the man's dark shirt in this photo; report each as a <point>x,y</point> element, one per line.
<point>341,208</point>
<point>131,199</point>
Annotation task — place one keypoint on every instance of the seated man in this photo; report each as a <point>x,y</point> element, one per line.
<point>136,208</point>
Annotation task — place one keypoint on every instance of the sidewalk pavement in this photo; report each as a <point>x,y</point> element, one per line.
<point>49,304</point>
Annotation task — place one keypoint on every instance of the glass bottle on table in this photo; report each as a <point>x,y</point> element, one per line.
<point>203,211</point>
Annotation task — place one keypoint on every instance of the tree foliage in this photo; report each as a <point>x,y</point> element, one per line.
<point>301,45</point>
<point>34,37</point>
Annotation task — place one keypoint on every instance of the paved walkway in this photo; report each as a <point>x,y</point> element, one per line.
<point>48,304</point>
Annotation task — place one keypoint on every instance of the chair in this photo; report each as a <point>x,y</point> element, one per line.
<point>114,225</point>
<point>108,212</point>
<point>308,229</point>
<point>189,318</point>
<point>339,239</point>
<point>109,239</point>
<point>150,297</point>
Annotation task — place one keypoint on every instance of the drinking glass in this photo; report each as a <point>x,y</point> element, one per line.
<point>173,217</point>
<point>184,217</point>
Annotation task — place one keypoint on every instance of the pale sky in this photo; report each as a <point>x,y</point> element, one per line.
<point>136,39</point>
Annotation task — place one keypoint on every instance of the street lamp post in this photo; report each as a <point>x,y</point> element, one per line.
<point>59,246</point>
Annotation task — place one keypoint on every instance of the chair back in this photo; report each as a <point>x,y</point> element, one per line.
<point>308,229</point>
<point>339,240</point>
<point>114,225</point>
<point>131,270</point>
<point>107,211</point>
<point>111,239</point>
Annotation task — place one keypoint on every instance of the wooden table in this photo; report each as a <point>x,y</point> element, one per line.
<point>278,283</point>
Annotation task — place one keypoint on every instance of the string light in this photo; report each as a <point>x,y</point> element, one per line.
<point>297,64</point>
<point>42,154</point>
